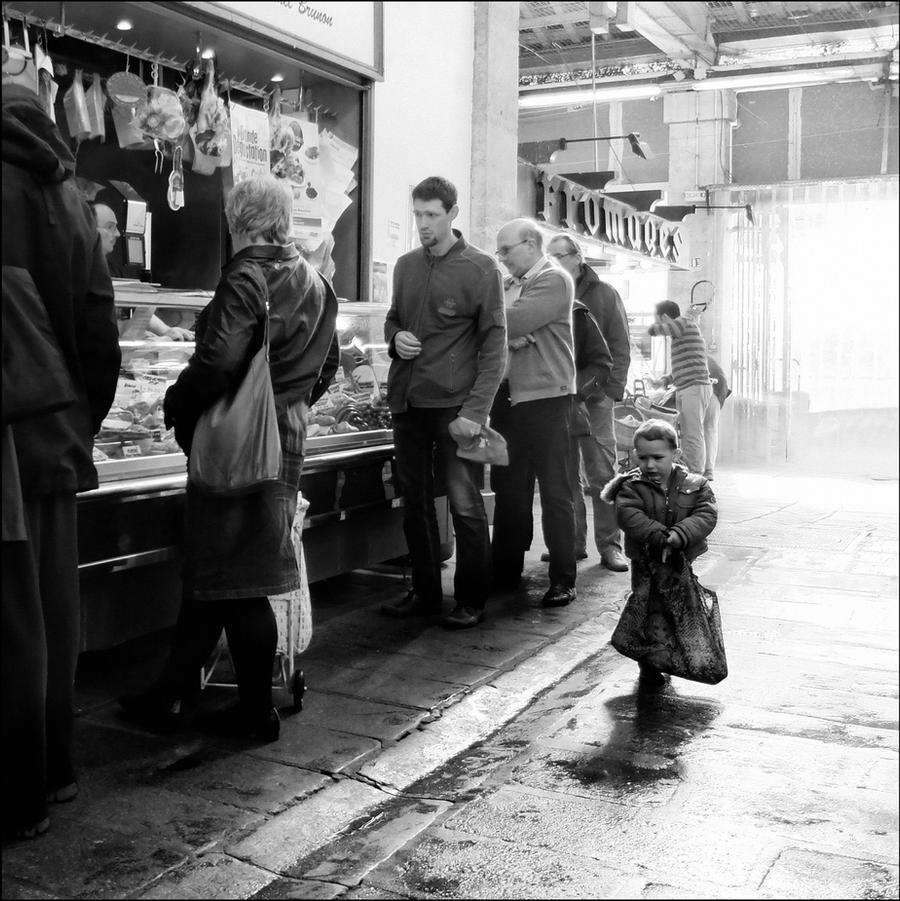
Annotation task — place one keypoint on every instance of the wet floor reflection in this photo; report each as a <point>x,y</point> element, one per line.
<point>649,734</point>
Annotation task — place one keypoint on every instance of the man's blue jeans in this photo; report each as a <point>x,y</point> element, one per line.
<point>423,444</point>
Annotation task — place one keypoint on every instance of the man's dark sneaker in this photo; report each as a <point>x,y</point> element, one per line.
<point>462,617</point>
<point>156,712</point>
<point>650,676</point>
<point>236,722</point>
<point>613,559</point>
<point>412,605</point>
<point>579,555</point>
<point>558,596</point>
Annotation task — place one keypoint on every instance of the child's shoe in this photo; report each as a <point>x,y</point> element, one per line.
<point>650,676</point>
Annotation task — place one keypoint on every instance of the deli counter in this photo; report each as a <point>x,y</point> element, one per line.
<point>130,528</point>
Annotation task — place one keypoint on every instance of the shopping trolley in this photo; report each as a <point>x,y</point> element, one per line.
<point>626,419</point>
<point>651,410</point>
<point>293,616</point>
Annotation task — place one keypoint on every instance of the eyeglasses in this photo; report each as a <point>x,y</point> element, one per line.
<point>560,256</point>
<point>503,251</point>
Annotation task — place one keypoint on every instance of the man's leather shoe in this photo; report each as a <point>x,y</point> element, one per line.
<point>558,596</point>
<point>462,617</point>
<point>613,559</point>
<point>412,605</point>
<point>579,555</point>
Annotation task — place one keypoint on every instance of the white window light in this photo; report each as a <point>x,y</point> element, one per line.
<point>586,95</point>
<point>750,81</point>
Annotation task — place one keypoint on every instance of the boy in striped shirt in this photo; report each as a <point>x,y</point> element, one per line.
<point>690,374</point>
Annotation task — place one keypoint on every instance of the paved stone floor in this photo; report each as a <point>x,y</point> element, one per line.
<point>517,759</point>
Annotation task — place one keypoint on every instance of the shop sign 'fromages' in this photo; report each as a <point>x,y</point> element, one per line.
<point>583,211</point>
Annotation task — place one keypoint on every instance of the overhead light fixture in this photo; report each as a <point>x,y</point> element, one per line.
<point>753,80</point>
<point>539,99</point>
<point>638,147</point>
<point>209,53</point>
<point>124,25</point>
<point>277,78</point>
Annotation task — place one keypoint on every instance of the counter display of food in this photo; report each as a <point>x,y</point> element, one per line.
<point>130,528</point>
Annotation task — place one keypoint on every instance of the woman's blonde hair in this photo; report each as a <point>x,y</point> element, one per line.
<point>260,207</point>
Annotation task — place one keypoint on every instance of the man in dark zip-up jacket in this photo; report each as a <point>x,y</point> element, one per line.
<point>598,449</point>
<point>446,335</point>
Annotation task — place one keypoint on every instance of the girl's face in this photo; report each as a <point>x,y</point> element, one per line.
<point>655,459</point>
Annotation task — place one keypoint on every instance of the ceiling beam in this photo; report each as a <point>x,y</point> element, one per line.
<point>664,26</point>
<point>741,10</point>
<point>571,18</point>
<point>607,52</point>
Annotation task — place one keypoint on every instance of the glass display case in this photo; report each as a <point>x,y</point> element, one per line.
<point>133,440</point>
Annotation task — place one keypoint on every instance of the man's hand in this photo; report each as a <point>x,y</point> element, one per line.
<point>519,343</point>
<point>466,427</point>
<point>176,333</point>
<point>674,540</point>
<point>407,345</point>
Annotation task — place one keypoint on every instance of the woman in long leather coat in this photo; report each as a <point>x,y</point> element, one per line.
<point>238,550</point>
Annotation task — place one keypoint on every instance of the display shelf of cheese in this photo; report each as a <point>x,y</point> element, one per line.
<point>133,441</point>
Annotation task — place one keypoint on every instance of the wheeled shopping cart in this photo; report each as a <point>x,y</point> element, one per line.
<point>293,616</point>
<point>632,412</point>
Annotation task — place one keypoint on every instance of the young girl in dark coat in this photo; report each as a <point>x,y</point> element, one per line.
<point>661,508</point>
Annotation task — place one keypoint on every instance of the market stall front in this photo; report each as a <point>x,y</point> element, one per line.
<point>166,105</point>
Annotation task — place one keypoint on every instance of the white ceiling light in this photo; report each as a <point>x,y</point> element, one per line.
<point>752,80</point>
<point>124,25</point>
<point>539,99</point>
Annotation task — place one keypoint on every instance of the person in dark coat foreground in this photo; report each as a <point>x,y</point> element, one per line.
<point>51,252</point>
<point>238,550</point>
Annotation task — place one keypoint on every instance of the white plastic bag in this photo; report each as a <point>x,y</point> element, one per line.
<point>75,105</point>
<point>96,103</point>
<point>293,609</point>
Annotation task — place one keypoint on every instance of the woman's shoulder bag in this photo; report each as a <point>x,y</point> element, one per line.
<point>236,446</point>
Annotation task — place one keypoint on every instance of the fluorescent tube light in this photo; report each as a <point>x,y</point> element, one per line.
<point>539,99</point>
<point>775,79</point>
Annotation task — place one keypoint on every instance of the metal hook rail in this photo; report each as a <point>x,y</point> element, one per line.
<point>91,37</point>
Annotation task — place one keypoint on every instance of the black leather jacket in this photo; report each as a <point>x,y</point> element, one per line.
<point>303,349</point>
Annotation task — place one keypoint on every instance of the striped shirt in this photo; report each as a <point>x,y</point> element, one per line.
<point>688,351</point>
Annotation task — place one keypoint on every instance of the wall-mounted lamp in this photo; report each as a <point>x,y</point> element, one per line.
<point>714,206</point>
<point>746,207</point>
<point>638,147</point>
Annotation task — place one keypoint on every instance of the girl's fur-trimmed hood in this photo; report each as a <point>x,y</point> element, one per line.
<point>612,487</point>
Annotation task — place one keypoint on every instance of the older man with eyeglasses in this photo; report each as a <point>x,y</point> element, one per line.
<point>598,450</point>
<point>533,411</point>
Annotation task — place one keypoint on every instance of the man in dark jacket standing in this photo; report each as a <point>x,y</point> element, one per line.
<point>598,451</point>
<point>446,335</point>
<point>51,247</point>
